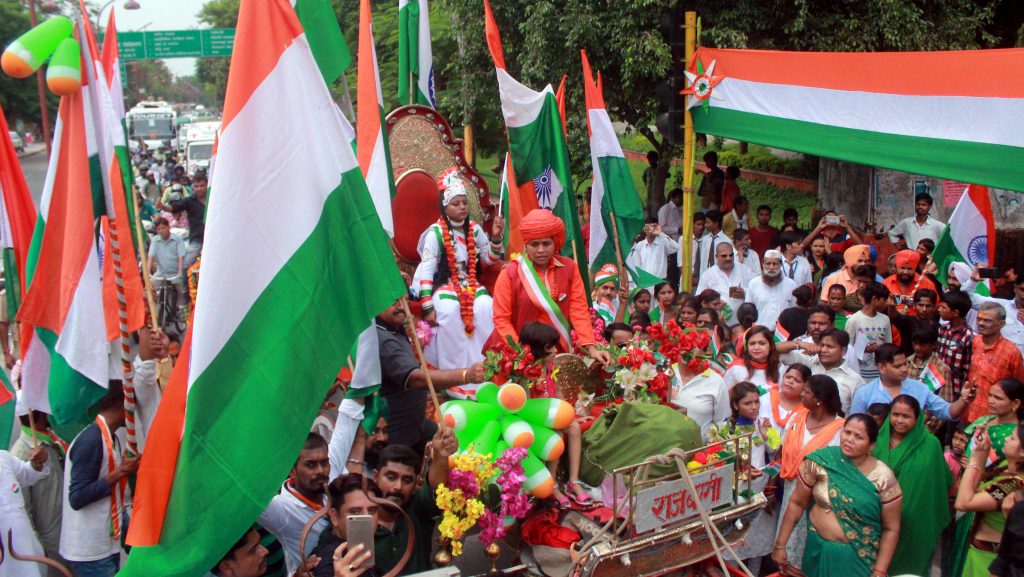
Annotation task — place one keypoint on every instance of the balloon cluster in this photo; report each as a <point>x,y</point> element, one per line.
<point>52,39</point>
<point>503,417</point>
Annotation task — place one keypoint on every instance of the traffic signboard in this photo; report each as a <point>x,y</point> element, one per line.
<point>175,43</point>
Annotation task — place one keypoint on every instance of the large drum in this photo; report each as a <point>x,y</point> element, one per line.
<point>422,147</point>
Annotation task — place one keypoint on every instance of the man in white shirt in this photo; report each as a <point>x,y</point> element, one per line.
<point>827,356</point>
<point>909,231</point>
<point>695,255</point>
<point>651,252</point>
<point>302,495</point>
<point>794,266</point>
<point>713,236</point>
<point>771,292</point>
<point>670,216</point>
<point>726,278</point>
<point>746,256</point>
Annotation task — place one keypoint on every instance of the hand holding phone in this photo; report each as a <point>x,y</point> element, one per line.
<point>359,529</point>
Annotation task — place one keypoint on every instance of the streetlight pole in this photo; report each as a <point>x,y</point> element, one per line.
<point>39,83</point>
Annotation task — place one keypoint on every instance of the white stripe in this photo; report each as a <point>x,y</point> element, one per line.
<point>544,304</point>
<point>520,105</point>
<point>963,118</point>
<point>35,376</point>
<point>965,224</point>
<point>83,338</point>
<point>424,53</point>
<point>6,238</point>
<point>378,180</point>
<point>62,71</point>
<point>51,168</point>
<point>602,144</point>
<point>367,369</point>
<point>277,162</point>
<point>602,139</point>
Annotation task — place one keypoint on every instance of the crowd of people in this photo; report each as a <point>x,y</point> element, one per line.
<point>897,398</point>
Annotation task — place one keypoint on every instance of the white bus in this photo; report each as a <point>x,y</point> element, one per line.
<point>152,122</point>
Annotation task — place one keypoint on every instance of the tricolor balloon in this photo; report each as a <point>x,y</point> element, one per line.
<point>51,39</point>
<point>504,417</point>
<point>64,74</point>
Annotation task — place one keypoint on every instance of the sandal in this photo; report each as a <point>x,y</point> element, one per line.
<point>582,500</point>
<point>562,501</point>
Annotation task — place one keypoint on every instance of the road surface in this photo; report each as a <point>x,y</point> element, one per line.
<point>33,165</point>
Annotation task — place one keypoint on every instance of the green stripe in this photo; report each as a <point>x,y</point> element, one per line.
<point>6,412</point>
<point>326,41</point>
<point>989,164</point>
<point>99,199</point>
<point>387,153</point>
<point>621,198</point>
<point>544,294</point>
<point>249,412</point>
<point>124,163</point>
<point>945,254</point>
<point>408,48</point>
<point>12,283</point>
<point>71,393</point>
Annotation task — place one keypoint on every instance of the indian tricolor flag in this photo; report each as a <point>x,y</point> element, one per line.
<point>781,334</point>
<point>17,217</point>
<point>540,156</point>
<point>66,355</point>
<point>970,235</point>
<point>613,192</point>
<point>296,265</point>
<point>956,115</point>
<point>415,57</point>
<point>932,376</point>
<point>371,137</point>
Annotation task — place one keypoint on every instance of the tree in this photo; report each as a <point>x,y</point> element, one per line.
<point>19,96</point>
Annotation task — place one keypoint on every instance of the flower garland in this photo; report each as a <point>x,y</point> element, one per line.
<point>514,502</point>
<point>458,500</point>
<point>465,293</point>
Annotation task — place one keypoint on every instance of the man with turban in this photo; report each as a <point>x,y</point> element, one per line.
<point>857,254</point>
<point>906,281</point>
<point>543,286</point>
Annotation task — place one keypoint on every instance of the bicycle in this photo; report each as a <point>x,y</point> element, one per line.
<point>171,303</point>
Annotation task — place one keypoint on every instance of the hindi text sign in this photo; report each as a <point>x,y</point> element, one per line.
<point>669,503</point>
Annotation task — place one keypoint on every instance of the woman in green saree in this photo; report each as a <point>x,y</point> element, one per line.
<point>915,457</point>
<point>1006,411</point>
<point>855,508</point>
<point>984,493</point>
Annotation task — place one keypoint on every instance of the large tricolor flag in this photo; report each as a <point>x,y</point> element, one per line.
<point>612,192</point>
<point>896,110</point>
<point>296,265</point>
<point>970,235</point>
<point>17,217</point>
<point>66,355</point>
<point>371,137</point>
<point>540,156</point>
<point>415,57</point>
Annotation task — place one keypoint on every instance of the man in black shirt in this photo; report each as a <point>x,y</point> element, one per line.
<point>404,384</point>
<point>195,207</point>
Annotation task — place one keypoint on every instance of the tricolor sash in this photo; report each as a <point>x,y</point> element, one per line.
<point>540,296</point>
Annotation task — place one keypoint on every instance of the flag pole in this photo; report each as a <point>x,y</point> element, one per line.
<point>411,325</point>
<point>689,138</point>
<point>618,251</point>
<point>146,281</point>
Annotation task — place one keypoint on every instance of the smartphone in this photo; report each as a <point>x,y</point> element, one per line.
<point>831,219</point>
<point>360,532</point>
<point>989,272</point>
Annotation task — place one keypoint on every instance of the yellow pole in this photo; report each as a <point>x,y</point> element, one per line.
<point>686,274</point>
<point>469,145</point>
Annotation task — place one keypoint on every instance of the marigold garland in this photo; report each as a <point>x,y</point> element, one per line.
<point>465,293</point>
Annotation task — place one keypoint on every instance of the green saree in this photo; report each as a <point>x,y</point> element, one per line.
<point>953,565</point>
<point>925,480</point>
<point>856,504</point>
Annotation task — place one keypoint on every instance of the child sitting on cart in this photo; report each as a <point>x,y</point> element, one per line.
<point>542,341</point>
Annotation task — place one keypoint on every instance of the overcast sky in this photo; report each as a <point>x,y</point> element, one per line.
<point>161,15</point>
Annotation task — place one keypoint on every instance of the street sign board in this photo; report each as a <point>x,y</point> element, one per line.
<point>152,44</point>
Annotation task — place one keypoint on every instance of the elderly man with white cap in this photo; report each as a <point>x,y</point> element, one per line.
<point>16,479</point>
<point>44,499</point>
<point>772,292</point>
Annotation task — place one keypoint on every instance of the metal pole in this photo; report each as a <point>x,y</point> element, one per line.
<point>42,91</point>
<point>686,274</point>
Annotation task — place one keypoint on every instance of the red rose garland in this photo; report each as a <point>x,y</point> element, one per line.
<point>468,293</point>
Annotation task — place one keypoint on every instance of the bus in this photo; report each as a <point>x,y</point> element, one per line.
<point>152,123</point>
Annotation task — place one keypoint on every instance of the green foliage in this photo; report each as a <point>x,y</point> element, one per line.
<point>19,97</point>
<point>778,198</point>
<point>798,168</point>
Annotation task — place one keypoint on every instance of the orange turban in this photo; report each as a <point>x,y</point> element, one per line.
<point>854,253</point>
<point>540,223</point>
<point>909,258</point>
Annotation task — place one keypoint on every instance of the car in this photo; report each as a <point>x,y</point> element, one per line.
<point>19,144</point>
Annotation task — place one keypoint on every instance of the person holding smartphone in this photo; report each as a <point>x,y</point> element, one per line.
<point>343,552</point>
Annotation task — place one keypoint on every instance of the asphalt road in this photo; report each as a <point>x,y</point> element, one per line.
<point>34,167</point>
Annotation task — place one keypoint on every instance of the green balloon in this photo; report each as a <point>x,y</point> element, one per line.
<point>64,73</point>
<point>26,54</point>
